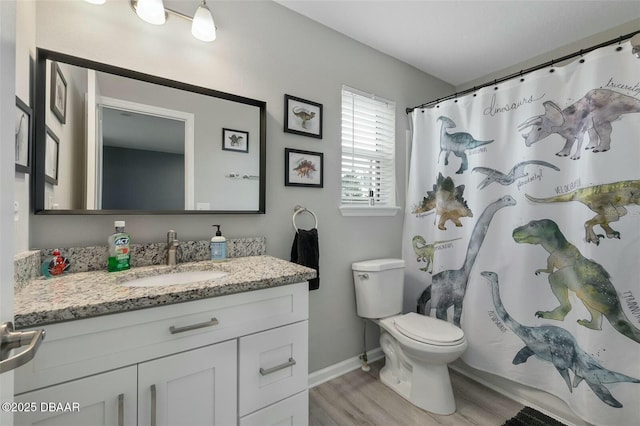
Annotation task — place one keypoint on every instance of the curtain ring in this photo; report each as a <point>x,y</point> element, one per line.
<point>552,63</point>
<point>619,48</point>
<point>474,91</point>
<point>581,57</point>
<point>521,79</point>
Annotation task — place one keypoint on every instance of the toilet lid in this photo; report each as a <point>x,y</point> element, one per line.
<point>428,329</point>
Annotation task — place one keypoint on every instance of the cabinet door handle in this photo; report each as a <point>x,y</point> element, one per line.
<point>289,363</point>
<point>175,330</point>
<point>121,409</point>
<point>153,405</point>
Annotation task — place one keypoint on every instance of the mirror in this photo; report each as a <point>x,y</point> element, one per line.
<point>115,141</point>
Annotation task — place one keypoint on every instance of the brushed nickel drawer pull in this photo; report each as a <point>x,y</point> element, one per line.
<point>289,363</point>
<point>175,330</point>
<point>153,405</point>
<point>121,409</point>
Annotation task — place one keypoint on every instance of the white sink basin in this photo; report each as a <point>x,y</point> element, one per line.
<point>188,277</point>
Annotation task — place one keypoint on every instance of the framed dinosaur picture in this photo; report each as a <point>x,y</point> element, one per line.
<point>302,117</point>
<point>235,140</point>
<point>303,168</point>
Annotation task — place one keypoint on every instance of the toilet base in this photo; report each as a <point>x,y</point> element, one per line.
<point>429,387</point>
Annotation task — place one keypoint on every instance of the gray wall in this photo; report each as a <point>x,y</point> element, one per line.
<point>263,51</point>
<point>134,179</point>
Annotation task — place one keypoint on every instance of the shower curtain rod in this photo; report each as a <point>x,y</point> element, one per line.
<point>526,71</point>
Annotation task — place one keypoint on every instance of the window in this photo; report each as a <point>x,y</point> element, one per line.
<point>368,154</point>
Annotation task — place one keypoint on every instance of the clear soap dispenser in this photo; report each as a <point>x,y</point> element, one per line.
<point>218,246</point>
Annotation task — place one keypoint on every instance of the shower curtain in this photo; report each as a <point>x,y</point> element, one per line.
<point>522,226</point>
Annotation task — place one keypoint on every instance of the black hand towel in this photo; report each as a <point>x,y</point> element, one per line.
<point>305,252</point>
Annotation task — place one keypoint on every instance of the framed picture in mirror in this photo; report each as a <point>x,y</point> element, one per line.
<point>24,136</point>
<point>58,93</point>
<point>51,157</point>
<point>302,117</point>
<point>303,168</point>
<point>235,140</point>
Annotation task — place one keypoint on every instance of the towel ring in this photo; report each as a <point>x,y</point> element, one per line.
<point>300,209</point>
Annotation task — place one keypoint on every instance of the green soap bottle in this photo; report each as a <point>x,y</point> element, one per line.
<point>119,253</point>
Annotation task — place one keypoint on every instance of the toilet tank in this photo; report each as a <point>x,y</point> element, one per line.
<point>379,285</point>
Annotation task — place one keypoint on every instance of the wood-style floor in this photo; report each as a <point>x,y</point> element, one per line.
<point>359,398</point>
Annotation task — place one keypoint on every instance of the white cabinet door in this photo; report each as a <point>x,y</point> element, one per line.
<point>273,366</point>
<point>103,399</point>
<point>196,387</point>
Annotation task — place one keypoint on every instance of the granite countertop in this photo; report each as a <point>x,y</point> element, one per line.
<point>87,294</point>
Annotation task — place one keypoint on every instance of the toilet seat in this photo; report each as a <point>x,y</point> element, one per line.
<point>428,330</point>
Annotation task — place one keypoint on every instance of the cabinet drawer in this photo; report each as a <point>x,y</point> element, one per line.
<point>273,365</point>
<point>80,348</point>
<point>293,411</point>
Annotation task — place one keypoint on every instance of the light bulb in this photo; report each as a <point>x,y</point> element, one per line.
<point>203,28</point>
<point>151,11</point>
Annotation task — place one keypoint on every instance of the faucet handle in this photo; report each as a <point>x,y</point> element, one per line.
<point>171,236</point>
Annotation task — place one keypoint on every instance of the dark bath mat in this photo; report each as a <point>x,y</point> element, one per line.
<point>530,417</point>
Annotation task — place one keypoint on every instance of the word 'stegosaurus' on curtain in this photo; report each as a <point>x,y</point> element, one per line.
<point>522,226</point>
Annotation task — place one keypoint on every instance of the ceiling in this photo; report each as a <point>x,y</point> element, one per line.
<point>462,41</point>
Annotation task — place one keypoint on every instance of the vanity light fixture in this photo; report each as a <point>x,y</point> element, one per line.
<point>153,11</point>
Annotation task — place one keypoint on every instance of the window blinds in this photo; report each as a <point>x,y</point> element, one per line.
<point>368,148</point>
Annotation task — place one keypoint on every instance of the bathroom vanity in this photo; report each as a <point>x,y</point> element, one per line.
<point>231,350</point>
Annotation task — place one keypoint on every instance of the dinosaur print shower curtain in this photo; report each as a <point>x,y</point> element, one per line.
<point>522,226</point>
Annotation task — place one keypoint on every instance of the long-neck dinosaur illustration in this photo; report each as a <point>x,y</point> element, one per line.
<point>450,285</point>
<point>447,200</point>
<point>456,143</point>
<point>606,200</point>
<point>557,346</point>
<point>591,114</point>
<point>569,270</point>
<point>425,252</point>
<point>514,174</point>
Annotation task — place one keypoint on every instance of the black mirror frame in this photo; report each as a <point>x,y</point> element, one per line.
<point>38,187</point>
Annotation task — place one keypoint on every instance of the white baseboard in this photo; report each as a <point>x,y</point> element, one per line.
<point>331,372</point>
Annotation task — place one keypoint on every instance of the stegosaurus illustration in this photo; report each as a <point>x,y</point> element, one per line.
<point>446,198</point>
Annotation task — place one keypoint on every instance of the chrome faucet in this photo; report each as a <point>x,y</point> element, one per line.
<point>172,247</point>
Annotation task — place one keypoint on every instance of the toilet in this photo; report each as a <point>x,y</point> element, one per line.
<point>417,348</point>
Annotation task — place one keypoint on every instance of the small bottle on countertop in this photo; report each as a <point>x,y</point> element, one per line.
<point>218,246</point>
<point>119,252</point>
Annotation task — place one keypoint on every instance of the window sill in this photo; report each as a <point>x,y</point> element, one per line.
<point>368,210</point>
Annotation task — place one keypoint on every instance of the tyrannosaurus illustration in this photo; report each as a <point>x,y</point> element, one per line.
<point>425,252</point>
<point>446,198</point>
<point>607,200</point>
<point>557,346</point>
<point>514,174</point>
<point>450,285</point>
<point>591,114</point>
<point>569,270</point>
<point>456,143</point>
